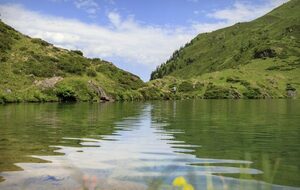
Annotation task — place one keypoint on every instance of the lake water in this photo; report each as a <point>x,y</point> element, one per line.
<point>213,144</point>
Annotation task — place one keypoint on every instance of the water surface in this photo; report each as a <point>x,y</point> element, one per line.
<point>223,144</point>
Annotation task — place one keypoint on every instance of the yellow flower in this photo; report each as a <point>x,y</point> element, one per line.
<point>188,187</point>
<point>179,181</point>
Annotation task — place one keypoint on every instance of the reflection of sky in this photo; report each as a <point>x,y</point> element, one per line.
<point>139,151</point>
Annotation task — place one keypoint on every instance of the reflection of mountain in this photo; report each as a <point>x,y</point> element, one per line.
<point>31,129</point>
<point>266,132</point>
<point>140,150</point>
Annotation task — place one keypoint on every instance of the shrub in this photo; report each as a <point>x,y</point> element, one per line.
<point>40,42</point>
<point>198,85</point>
<point>289,87</point>
<point>39,69</point>
<point>233,79</point>
<point>5,43</point>
<point>2,100</point>
<point>185,86</point>
<point>66,94</point>
<point>151,93</point>
<point>23,48</point>
<point>245,83</point>
<point>91,72</point>
<point>78,52</point>
<point>253,93</point>
<point>218,92</point>
<point>3,58</point>
<point>71,66</point>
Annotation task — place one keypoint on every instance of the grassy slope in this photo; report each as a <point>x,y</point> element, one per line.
<point>258,59</point>
<point>24,61</point>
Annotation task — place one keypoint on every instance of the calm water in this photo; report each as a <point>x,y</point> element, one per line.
<point>214,144</point>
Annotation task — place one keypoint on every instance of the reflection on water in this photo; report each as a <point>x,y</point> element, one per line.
<point>213,144</point>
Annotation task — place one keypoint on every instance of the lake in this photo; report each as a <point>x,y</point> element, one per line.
<point>213,144</point>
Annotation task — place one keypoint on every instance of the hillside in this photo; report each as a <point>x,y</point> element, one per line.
<point>32,70</point>
<point>258,59</point>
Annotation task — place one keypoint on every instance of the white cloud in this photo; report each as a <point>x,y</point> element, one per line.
<point>125,39</point>
<point>128,40</point>
<point>240,12</point>
<point>114,18</point>
<point>90,6</point>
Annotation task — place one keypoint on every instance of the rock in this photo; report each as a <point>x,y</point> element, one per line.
<point>291,93</point>
<point>48,82</point>
<point>265,53</point>
<point>8,91</point>
<point>100,92</point>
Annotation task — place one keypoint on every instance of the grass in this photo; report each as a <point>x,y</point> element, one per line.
<point>258,59</point>
<point>27,61</point>
<point>250,81</point>
<point>264,53</point>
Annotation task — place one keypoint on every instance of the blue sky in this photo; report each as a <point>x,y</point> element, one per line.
<point>136,35</point>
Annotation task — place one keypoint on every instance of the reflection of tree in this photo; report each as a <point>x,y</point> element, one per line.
<point>30,129</point>
<point>232,129</point>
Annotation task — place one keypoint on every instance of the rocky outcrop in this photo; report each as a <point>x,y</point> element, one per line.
<point>291,91</point>
<point>264,53</point>
<point>100,92</point>
<point>48,82</point>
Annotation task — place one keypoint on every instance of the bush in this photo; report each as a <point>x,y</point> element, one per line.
<point>185,86</point>
<point>245,83</point>
<point>253,93</point>
<point>40,42</point>
<point>151,93</point>
<point>91,72</point>
<point>2,100</point>
<point>39,69</point>
<point>5,43</point>
<point>23,48</point>
<point>66,94</point>
<point>218,92</point>
<point>233,79</point>
<point>70,65</point>
<point>289,87</point>
<point>77,52</point>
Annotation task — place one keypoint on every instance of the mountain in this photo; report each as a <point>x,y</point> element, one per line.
<point>33,70</point>
<point>257,59</point>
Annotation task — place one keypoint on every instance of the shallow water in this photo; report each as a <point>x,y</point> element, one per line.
<point>214,144</point>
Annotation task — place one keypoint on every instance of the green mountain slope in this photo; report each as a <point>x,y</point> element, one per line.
<point>257,59</point>
<point>34,70</point>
